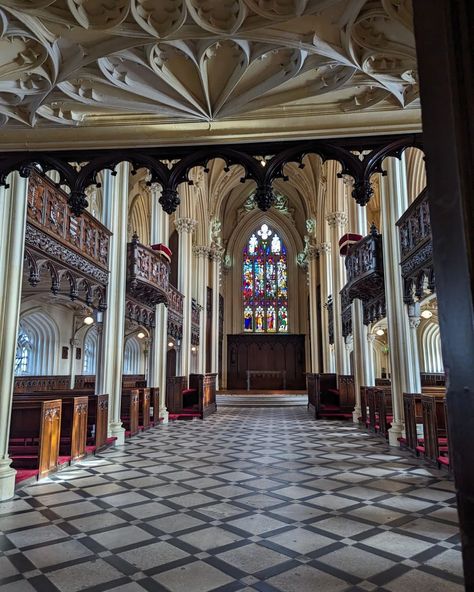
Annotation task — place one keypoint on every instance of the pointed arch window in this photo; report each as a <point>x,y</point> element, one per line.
<point>265,283</point>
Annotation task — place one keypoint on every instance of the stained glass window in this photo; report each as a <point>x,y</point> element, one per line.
<point>265,283</point>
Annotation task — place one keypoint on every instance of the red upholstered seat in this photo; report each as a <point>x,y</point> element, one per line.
<point>443,460</point>
<point>329,408</point>
<point>333,392</point>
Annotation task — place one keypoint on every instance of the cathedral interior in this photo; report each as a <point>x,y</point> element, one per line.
<point>236,315</point>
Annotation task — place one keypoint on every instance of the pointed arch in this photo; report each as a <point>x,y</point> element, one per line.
<point>132,361</point>
<point>89,365</point>
<point>42,334</point>
<point>431,355</point>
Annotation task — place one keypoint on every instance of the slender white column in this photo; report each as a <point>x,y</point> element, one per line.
<point>75,343</point>
<point>159,233</point>
<point>216,257</point>
<point>337,222</point>
<point>414,318</point>
<point>324,250</point>
<point>394,201</point>
<point>313,264</point>
<point>99,355</point>
<point>359,334</point>
<point>185,228</point>
<point>202,252</point>
<point>115,192</point>
<point>13,208</point>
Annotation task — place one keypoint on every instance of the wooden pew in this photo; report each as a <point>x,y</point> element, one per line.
<point>129,411</point>
<point>205,385</point>
<point>154,405</point>
<point>311,388</point>
<point>413,414</point>
<point>175,385</point>
<point>97,421</point>
<point>30,384</point>
<point>444,458</point>
<point>326,394</point>
<point>372,408</point>
<point>364,414</point>
<point>432,379</point>
<point>383,403</point>
<point>35,432</point>
<point>144,408</point>
<point>346,389</point>
<point>435,434</point>
<point>74,414</point>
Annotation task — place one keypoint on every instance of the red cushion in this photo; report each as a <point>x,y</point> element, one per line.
<point>163,250</point>
<point>444,460</point>
<point>347,240</point>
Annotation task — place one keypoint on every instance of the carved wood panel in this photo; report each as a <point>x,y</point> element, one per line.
<point>266,352</point>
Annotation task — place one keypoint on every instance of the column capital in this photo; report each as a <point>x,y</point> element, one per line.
<point>312,252</point>
<point>337,219</point>
<point>216,253</point>
<point>201,251</point>
<point>324,248</point>
<point>370,337</point>
<point>185,225</point>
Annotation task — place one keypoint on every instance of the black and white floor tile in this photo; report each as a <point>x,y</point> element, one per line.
<point>251,499</point>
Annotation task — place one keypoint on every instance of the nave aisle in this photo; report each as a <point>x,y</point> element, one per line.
<point>251,499</point>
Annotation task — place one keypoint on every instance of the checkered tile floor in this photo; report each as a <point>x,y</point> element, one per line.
<point>251,499</point>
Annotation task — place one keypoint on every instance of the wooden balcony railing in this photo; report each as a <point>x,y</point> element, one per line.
<point>147,274</point>
<point>416,249</point>
<point>365,279</point>
<point>69,252</point>
<point>48,211</point>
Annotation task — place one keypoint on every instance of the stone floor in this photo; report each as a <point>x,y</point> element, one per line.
<point>251,499</point>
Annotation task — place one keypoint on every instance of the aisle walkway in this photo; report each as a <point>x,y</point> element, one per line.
<point>252,499</point>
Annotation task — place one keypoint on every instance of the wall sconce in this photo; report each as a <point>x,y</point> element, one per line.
<point>193,348</point>
<point>88,320</point>
<point>380,332</point>
<point>141,335</point>
<point>170,344</point>
<point>426,314</point>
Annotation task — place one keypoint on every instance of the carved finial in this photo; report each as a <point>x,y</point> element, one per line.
<point>135,238</point>
<point>373,229</point>
<point>169,200</point>
<point>77,202</point>
<point>264,197</point>
<point>362,191</point>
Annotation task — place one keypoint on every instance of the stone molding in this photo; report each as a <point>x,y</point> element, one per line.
<point>324,248</point>
<point>201,251</point>
<point>337,219</point>
<point>185,225</point>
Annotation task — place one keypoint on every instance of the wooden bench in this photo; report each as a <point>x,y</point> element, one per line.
<point>35,432</point>
<point>97,421</point>
<point>129,411</point>
<point>383,409</point>
<point>154,405</point>
<point>413,413</point>
<point>37,384</point>
<point>372,409</point>
<point>311,388</point>
<point>435,433</point>
<point>74,412</point>
<point>175,385</point>
<point>205,386</point>
<point>346,388</point>
<point>144,408</point>
<point>326,396</point>
<point>364,409</point>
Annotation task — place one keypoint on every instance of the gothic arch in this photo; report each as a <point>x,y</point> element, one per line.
<point>44,338</point>
<point>294,244</point>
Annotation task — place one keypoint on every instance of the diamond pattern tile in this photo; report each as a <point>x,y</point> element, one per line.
<point>260,499</point>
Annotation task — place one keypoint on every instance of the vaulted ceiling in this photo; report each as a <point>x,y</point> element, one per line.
<point>145,66</point>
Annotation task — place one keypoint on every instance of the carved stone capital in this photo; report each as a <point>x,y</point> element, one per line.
<point>324,248</point>
<point>185,225</point>
<point>201,251</point>
<point>337,219</point>
<point>216,253</point>
<point>312,252</point>
<point>75,342</point>
<point>414,322</point>
<point>370,338</point>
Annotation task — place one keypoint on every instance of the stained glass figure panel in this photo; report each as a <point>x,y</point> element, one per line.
<point>265,283</point>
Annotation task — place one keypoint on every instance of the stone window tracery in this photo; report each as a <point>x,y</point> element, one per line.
<point>265,283</point>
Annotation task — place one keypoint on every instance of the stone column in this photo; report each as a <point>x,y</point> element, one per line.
<point>370,365</point>
<point>313,263</point>
<point>325,274</point>
<point>414,318</point>
<point>159,233</point>
<point>13,207</point>
<point>185,228</point>
<point>202,252</point>
<point>394,201</point>
<point>115,196</point>
<point>337,222</point>
<point>216,258</point>
<point>359,335</point>
<point>99,354</point>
